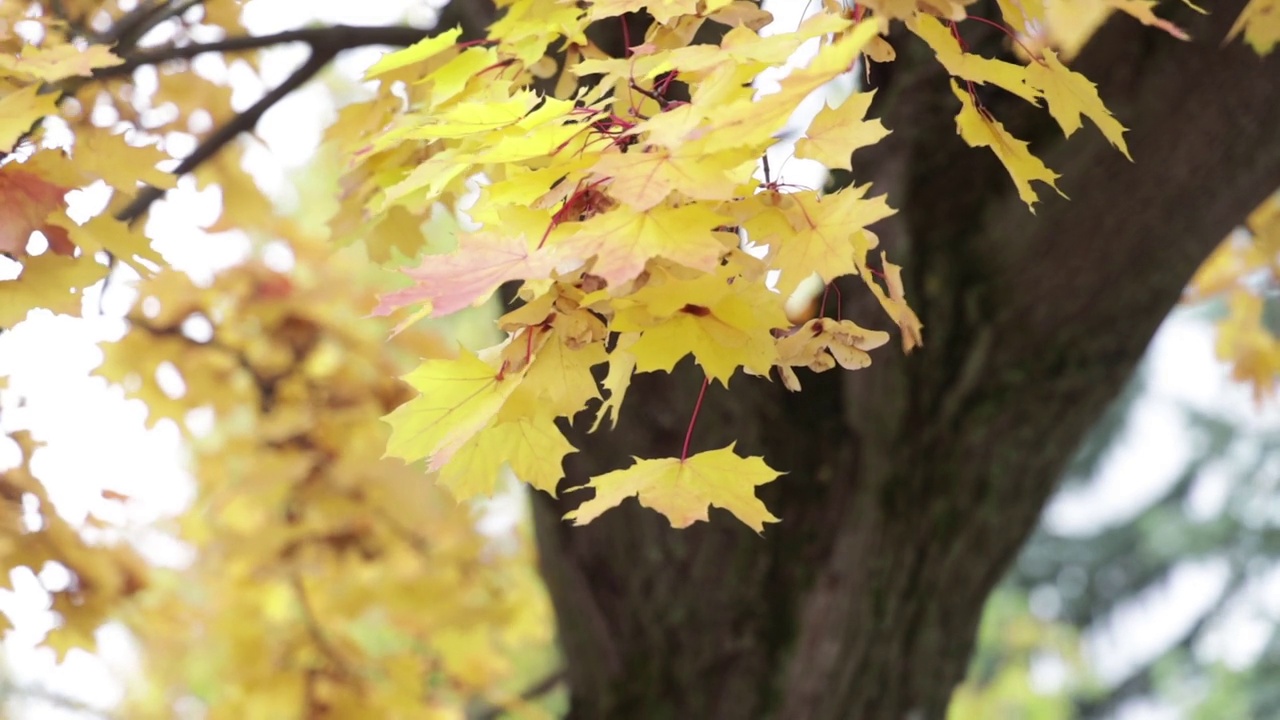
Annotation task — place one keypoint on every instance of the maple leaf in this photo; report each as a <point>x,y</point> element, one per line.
<point>1024,16</point>
<point>974,68</point>
<point>1244,341</point>
<point>54,62</point>
<point>981,130</point>
<point>723,324</point>
<point>51,281</point>
<point>622,241</point>
<point>458,398</point>
<point>836,132</point>
<point>533,447</point>
<point>622,365</point>
<point>684,490</point>
<point>741,46</point>
<point>744,121</point>
<point>104,232</point>
<point>1260,23</point>
<point>28,201</point>
<point>470,274</point>
<point>1071,95</point>
<point>422,50</point>
<point>644,179</point>
<point>111,158</point>
<point>895,303</point>
<point>808,233</point>
<point>20,110</point>
<point>561,374</point>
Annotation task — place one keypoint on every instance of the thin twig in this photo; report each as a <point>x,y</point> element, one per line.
<point>243,122</point>
<point>130,27</point>
<point>325,43</point>
<point>176,8</point>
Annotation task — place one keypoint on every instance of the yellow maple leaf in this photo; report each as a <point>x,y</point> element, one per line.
<point>19,111</point>
<point>104,232</point>
<point>623,240</point>
<point>836,132</point>
<point>644,179</point>
<point>53,62</point>
<point>742,46</point>
<point>1070,95</point>
<point>533,447</point>
<point>981,130</point>
<point>684,490</point>
<point>422,50</point>
<point>451,78</point>
<point>1024,16</point>
<point>808,234</point>
<point>468,118</point>
<point>51,281</point>
<point>1245,342</point>
<point>561,375</point>
<point>966,66</point>
<point>1260,23</point>
<point>458,398</point>
<point>622,365</point>
<point>748,120</point>
<point>723,324</point>
<point>895,303</point>
<point>397,230</point>
<point>120,164</point>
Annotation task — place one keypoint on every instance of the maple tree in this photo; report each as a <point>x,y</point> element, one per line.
<point>609,159</point>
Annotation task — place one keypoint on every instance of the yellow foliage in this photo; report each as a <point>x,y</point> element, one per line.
<point>1235,269</point>
<point>1260,25</point>
<point>101,577</point>
<point>326,578</point>
<point>684,489</point>
<point>979,129</point>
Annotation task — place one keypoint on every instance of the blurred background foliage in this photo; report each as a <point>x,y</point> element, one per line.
<point>1075,595</point>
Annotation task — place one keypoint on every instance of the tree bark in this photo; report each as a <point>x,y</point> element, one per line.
<point>912,485</point>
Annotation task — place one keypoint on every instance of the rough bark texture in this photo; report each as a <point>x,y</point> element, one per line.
<point>913,484</point>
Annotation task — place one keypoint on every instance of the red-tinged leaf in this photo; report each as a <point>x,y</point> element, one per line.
<point>468,276</point>
<point>26,201</point>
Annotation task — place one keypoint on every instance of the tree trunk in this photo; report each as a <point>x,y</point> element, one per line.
<point>912,485</point>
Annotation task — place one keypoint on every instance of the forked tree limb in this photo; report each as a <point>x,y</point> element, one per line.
<point>325,43</point>
<point>243,122</point>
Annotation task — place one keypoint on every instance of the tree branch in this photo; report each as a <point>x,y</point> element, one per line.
<point>325,42</point>
<point>330,39</point>
<point>131,26</point>
<point>243,122</point>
